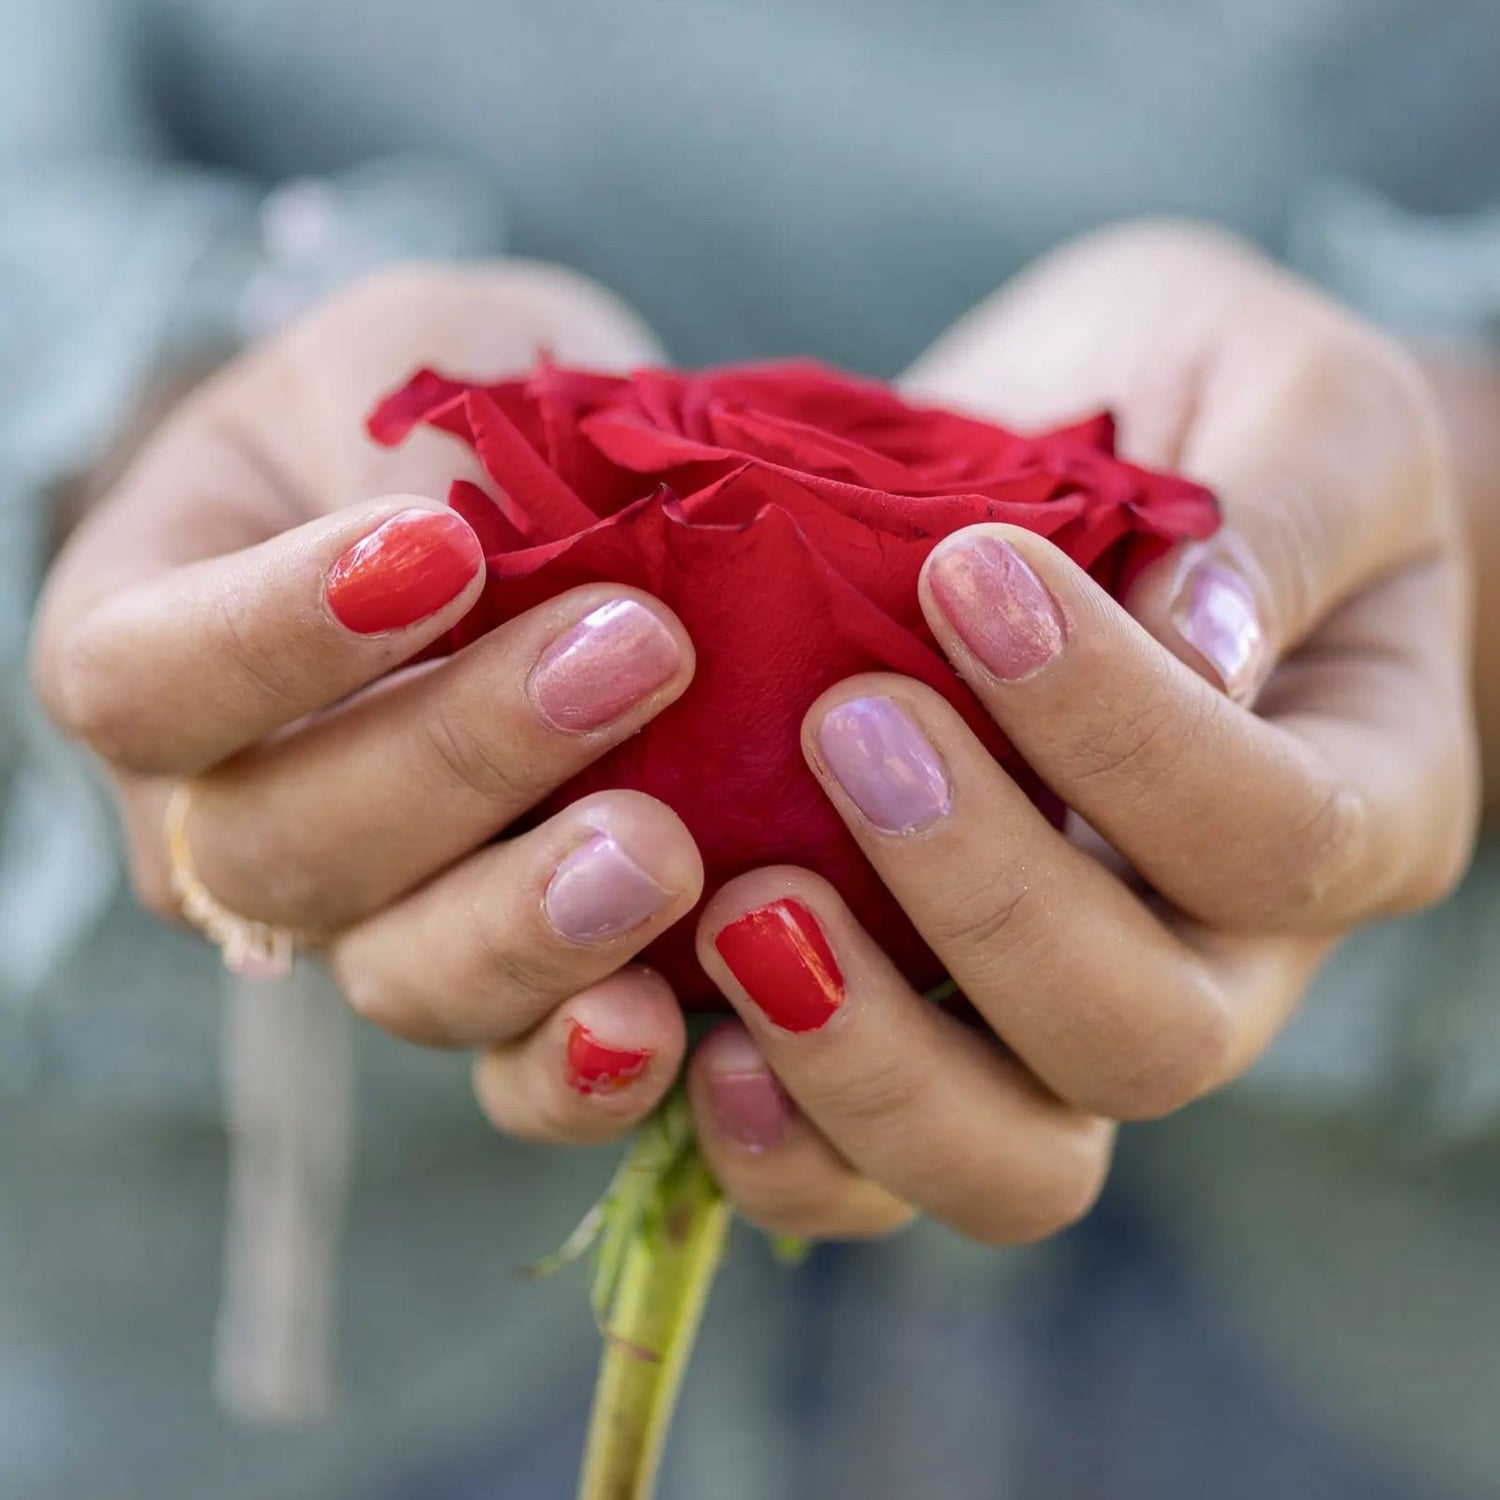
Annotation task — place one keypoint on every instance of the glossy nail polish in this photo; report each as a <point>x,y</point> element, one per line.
<point>592,1067</point>
<point>408,568</point>
<point>598,892</point>
<point>1216,612</point>
<point>749,1106</point>
<point>782,960</point>
<point>885,764</point>
<point>608,662</point>
<point>999,607</point>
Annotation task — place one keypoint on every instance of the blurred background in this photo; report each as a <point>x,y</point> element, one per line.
<point>1291,1289</point>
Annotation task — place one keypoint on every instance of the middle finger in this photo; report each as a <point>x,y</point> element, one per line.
<point>1107,1006</point>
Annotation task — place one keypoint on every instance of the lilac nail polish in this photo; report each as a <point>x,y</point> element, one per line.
<point>999,607</point>
<point>885,764</point>
<point>599,892</point>
<point>608,662</point>
<point>1216,612</point>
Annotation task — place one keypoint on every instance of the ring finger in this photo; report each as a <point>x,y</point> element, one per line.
<point>484,952</point>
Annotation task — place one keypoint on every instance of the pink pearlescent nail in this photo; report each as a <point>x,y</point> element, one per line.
<point>608,662</point>
<point>999,607</point>
<point>599,892</point>
<point>749,1106</point>
<point>1216,612</point>
<point>885,764</point>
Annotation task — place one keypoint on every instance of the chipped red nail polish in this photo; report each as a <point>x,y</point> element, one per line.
<point>781,958</point>
<point>593,1067</point>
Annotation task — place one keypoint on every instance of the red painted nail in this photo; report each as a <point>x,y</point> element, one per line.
<point>780,956</point>
<point>593,1067</point>
<point>406,569</point>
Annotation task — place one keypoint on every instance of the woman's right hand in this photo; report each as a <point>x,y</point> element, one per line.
<point>233,617</point>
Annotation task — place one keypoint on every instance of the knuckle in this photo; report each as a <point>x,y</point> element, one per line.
<point>1139,746</point>
<point>865,1222</point>
<point>375,996</point>
<point>262,666</point>
<point>1068,1200</point>
<point>76,684</point>
<point>1161,243</point>
<point>538,302</point>
<point>267,868</point>
<point>471,762</point>
<point>1435,877</point>
<point>504,974</point>
<point>1303,878</point>
<point>1177,1064</point>
<point>563,307</point>
<point>990,917</point>
<point>884,1094</point>
<point>1397,402</point>
<point>1076,1178</point>
<point>816,1206</point>
<point>784,1203</point>
<point>407,288</point>
<point>1343,375</point>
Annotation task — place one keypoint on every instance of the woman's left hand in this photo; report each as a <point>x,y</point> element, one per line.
<point>1271,743</point>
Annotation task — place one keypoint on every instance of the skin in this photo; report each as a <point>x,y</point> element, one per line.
<point>184,636</point>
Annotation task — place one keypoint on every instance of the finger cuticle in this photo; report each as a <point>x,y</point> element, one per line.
<point>885,764</point>
<point>998,606</point>
<point>594,1067</point>
<point>610,661</point>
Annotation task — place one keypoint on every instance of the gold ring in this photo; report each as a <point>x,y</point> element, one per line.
<point>256,950</point>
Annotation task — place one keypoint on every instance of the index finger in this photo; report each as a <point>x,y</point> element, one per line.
<point>181,667</point>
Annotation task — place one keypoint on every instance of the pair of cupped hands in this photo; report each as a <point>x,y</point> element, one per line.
<point>1267,744</point>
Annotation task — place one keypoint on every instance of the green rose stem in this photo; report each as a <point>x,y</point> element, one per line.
<point>665,1278</point>
<point>658,1236</point>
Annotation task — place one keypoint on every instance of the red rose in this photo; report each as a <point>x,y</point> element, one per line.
<point>784,511</point>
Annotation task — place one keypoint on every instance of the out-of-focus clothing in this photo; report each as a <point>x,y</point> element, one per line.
<point>839,178</point>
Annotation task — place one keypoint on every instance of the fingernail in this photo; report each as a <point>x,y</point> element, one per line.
<point>611,659</point>
<point>406,569</point>
<point>749,1106</point>
<point>593,1067</point>
<point>598,892</point>
<point>783,962</point>
<point>1216,612</point>
<point>885,764</point>
<point>999,607</point>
